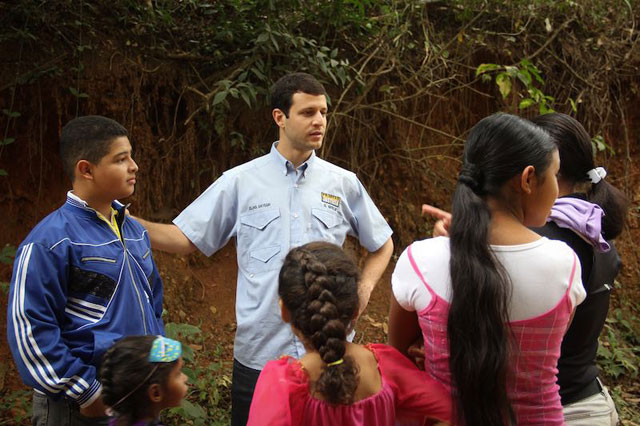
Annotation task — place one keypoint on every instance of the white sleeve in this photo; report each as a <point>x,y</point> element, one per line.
<point>577,294</point>
<point>407,287</point>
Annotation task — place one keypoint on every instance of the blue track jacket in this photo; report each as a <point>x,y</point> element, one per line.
<point>77,288</point>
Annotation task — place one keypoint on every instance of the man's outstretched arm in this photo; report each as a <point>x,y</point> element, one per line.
<point>167,237</point>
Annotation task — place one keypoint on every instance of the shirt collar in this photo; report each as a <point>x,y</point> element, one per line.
<point>76,201</point>
<point>286,166</point>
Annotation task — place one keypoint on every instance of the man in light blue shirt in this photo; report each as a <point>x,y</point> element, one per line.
<point>272,204</point>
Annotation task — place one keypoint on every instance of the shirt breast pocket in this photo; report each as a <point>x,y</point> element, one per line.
<point>328,225</point>
<point>259,240</point>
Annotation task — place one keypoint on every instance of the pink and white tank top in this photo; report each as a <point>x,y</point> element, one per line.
<point>532,389</point>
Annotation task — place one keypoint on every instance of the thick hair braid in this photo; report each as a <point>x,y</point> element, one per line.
<point>325,281</point>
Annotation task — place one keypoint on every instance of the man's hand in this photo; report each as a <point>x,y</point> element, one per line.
<point>441,228</point>
<point>95,409</point>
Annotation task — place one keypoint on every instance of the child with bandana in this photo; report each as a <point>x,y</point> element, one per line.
<point>140,376</point>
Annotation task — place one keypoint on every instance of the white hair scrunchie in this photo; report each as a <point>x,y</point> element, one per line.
<point>597,174</point>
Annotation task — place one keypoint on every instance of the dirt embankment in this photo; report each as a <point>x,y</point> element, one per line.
<point>173,171</point>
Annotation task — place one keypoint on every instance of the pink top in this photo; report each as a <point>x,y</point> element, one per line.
<point>532,388</point>
<point>282,396</point>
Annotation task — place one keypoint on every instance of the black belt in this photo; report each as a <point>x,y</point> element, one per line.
<point>587,390</point>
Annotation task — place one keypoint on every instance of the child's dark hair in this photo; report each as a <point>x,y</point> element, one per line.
<point>87,138</point>
<point>319,287</point>
<point>283,90</point>
<point>576,159</point>
<point>498,148</point>
<point>124,367</point>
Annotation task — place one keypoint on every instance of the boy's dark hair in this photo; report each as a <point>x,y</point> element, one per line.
<point>318,285</point>
<point>497,149</point>
<point>576,159</point>
<point>124,366</point>
<point>87,138</point>
<point>283,90</point>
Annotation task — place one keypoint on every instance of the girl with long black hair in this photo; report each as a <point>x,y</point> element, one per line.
<point>589,214</point>
<point>493,300</point>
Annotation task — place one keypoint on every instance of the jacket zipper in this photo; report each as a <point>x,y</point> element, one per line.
<point>135,287</point>
<point>126,255</point>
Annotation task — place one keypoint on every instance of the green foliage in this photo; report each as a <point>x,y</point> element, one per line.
<point>208,399</point>
<point>18,405</point>
<point>7,254</point>
<point>529,77</point>
<point>599,145</point>
<point>619,347</point>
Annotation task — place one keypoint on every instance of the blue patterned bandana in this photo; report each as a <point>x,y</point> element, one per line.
<point>165,350</point>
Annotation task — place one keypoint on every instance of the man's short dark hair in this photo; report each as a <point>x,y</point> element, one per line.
<point>87,138</point>
<point>283,90</point>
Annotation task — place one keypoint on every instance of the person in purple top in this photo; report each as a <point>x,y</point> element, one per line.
<point>588,215</point>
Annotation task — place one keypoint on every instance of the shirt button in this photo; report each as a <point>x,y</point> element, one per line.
<point>251,275</point>
<point>295,185</point>
<point>295,215</point>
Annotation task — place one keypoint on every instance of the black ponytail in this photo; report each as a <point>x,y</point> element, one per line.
<point>498,148</point>
<point>318,286</point>
<point>576,159</point>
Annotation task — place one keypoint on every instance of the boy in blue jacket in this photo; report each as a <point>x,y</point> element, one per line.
<point>82,279</point>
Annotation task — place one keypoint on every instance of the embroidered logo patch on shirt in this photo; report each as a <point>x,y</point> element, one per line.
<point>333,200</point>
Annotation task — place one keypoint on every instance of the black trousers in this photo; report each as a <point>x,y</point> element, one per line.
<point>243,383</point>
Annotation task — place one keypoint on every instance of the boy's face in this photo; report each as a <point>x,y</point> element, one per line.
<point>114,176</point>
<point>304,129</point>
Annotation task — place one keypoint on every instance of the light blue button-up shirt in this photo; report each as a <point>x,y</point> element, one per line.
<point>270,208</point>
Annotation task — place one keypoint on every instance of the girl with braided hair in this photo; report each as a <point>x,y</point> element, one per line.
<point>140,376</point>
<point>337,382</point>
<point>493,300</point>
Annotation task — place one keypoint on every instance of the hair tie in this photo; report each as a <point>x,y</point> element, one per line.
<point>597,174</point>
<point>470,176</point>
<point>338,362</point>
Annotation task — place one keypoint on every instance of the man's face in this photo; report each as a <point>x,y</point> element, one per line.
<point>304,129</point>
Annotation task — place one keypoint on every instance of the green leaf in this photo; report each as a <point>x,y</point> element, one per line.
<point>524,77</point>
<point>193,410</point>
<point>574,105</point>
<point>220,97</point>
<point>526,103</point>
<point>11,114</point>
<point>262,38</point>
<point>245,98</point>
<point>3,172</point>
<point>504,84</point>
<point>77,94</point>
<point>7,141</point>
<point>511,70</point>
<point>175,330</point>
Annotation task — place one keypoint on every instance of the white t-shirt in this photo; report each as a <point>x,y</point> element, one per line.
<point>539,272</point>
